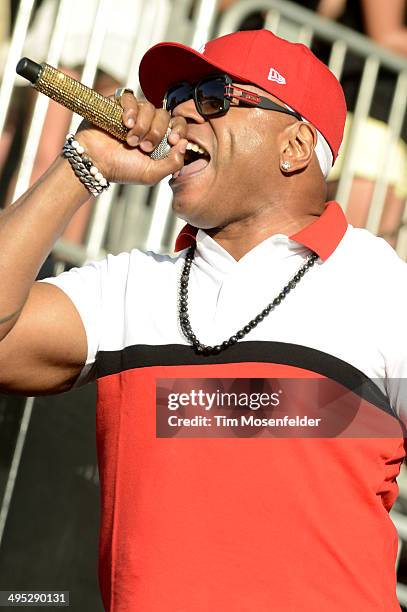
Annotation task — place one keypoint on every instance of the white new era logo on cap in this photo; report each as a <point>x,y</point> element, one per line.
<point>274,75</point>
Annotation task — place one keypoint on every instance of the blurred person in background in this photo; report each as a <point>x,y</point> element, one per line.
<point>112,69</point>
<point>383,22</point>
<point>12,120</point>
<point>16,124</point>
<point>58,118</point>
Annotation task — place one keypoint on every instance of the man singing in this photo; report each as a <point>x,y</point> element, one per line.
<point>268,282</point>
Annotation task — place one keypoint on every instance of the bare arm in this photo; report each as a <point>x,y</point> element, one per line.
<point>384,23</point>
<point>332,9</point>
<point>28,230</point>
<point>29,329</point>
<point>42,340</point>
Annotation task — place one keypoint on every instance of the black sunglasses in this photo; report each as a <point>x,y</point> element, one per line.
<point>214,94</point>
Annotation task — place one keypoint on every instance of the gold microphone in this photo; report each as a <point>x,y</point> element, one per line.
<point>88,103</point>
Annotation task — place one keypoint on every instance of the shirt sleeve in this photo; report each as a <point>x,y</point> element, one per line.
<point>393,323</point>
<point>85,287</point>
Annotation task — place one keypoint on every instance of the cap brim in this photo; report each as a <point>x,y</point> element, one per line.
<point>168,63</point>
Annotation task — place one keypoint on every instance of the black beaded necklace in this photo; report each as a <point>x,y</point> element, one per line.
<point>185,324</point>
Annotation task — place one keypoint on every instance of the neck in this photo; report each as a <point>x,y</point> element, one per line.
<point>239,237</point>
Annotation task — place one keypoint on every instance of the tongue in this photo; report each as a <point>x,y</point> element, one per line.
<point>195,166</point>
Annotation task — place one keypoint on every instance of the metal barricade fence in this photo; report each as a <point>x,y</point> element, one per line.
<point>129,221</point>
<point>137,216</point>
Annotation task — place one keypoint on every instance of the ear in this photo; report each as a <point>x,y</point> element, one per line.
<point>297,143</point>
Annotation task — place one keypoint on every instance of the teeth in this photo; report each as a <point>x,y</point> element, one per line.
<point>192,146</point>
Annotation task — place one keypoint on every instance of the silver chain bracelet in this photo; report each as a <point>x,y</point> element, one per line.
<point>84,167</point>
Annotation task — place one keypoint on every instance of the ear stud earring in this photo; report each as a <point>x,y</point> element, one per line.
<point>286,165</point>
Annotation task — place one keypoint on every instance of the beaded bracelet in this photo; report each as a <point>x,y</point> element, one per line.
<point>84,167</point>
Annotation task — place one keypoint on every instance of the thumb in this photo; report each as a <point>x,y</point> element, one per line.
<point>158,169</point>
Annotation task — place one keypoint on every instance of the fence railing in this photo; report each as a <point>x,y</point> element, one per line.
<point>127,216</point>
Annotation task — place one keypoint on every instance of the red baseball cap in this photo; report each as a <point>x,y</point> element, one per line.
<point>288,71</point>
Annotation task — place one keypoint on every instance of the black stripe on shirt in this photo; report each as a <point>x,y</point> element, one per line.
<point>303,357</point>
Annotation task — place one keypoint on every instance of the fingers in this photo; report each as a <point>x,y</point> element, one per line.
<point>157,131</point>
<point>178,130</point>
<point>141,117</point>
<point>148,125</point>
<point>130,108</point>
<point>158,169</point>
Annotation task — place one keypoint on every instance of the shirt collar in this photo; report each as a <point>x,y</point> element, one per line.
<point>321,236</point>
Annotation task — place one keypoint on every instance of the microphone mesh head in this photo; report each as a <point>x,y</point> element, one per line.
<point>163,148</point>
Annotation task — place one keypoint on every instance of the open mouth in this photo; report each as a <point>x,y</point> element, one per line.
<point>196,159</point>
